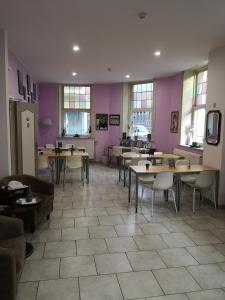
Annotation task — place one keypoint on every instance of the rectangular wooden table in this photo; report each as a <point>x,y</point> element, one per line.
<point>151,157</point>
<point>178,171</point>
<point>61,157</point>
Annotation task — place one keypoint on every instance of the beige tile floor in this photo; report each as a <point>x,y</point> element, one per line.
<point>96,248</point>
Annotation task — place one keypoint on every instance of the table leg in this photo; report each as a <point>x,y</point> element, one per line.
<point>178,188</point>
<point>166,195</point>
<point>87,169</point>
<point>129,185</point>
<point>120,166</point>
<point>124,173</point>
<point>136,198</point>
<point>57,170</point>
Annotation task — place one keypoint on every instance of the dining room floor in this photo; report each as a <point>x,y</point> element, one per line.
<point>94,247</point>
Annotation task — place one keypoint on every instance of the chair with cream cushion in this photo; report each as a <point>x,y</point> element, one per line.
<point>162,182</point>
<point>49,146</point>
<point>204,182</point>
<point>185,178</point>
<point>73,163</point>
<point>45,165</point>
<point>116,152</point>
<point>145,179</point>
<point>158,161</point>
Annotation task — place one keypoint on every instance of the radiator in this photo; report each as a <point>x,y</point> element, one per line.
<point>194,158</point>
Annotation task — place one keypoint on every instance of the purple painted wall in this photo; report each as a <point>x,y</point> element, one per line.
<point>48,107</point>
<point>14,65</point>
<point>168,97</point>
<point>106,99</point>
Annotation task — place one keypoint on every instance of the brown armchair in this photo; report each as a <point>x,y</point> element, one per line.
<point>42,188</point>
<point>12,254</point>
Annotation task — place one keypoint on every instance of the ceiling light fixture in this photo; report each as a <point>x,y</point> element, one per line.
<point>74,73</point>
<point>127,76</point>
<point>76,48</point>
<point>157,53</point>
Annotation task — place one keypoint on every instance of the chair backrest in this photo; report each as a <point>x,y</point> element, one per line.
<point>163,181</point>
<point>69,146</point>
<point>143,162</point>
<point>158,153</point>
<point>127,154</point>
<point>49,146</point>
<point>42,162</point>
<point>74,162</point>
<point>205,179</point>
<point>182,162</point>
<point>116,151</point>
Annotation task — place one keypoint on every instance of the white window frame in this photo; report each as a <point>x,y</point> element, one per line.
<point>75,109</point>
<point>152,109</point>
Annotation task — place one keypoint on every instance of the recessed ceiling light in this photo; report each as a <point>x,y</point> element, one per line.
<point>127,76</point>
<point>74,73</point>
<point>157,53</point>
<point>76,48</point>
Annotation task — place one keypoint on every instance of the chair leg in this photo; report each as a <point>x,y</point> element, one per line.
<point>214,196</point>
<point>194,192</point>
<point>174,200</point>
<point>82,176</point>
<point>153,198</point>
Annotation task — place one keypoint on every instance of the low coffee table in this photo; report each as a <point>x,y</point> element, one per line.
<point>15,209</point>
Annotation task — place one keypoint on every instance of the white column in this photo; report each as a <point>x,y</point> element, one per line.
<point>5,157</point>
<point>214,155</point>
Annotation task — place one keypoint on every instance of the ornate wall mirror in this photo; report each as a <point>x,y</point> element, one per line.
<point>213,123</point>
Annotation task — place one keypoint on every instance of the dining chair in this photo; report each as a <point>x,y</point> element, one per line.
<point>158,161</point>
<point>69,146</point>
<point>204,182</point>
<point>185,178</point>
<point>49,146</point>
<point>162,182</point>
<point>130,162</point>
<point>45,165</point>
<point>116,152</point>
<point>73,163</point>
<point>145,179</point>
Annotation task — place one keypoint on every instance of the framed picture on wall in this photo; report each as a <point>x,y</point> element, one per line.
<point>34,92</point>
<point>20,82</point>
<point>174,123</point>
<point>28,85</point>
<point>114,120</point>
<point>101,122</point>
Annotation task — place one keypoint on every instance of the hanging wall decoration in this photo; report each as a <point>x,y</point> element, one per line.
<point>174,122</point>
<point>20,82</point>
<point>101,122</point>
<point>114,120</point>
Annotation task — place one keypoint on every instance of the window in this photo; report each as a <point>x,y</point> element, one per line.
<point>76,109</point>
<point>193,107</point>
<point>141,109</point>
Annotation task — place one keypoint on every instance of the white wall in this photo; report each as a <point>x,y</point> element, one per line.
<point>215,155</point>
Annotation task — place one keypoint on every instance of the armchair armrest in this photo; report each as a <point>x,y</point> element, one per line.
<point>41,186</point>
<point>10,227</point>
<point>7,274</point>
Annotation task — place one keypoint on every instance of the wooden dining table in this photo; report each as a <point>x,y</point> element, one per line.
<point>151,157</point>
<point>60,158</point>
<point>178,171</point>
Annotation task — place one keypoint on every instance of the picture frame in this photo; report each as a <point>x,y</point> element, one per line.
<point>101,122</point>
<point>213,127</point>
<point>174,123</point>
<point>24,93</point>
<point>20,82</point>
<point>28,85</point>
<point>34,92</point>
<point>114,120</point>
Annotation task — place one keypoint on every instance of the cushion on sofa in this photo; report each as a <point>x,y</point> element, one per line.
<point>18,246</point>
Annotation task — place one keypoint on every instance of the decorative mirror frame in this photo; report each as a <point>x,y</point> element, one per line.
<point>216,138</point>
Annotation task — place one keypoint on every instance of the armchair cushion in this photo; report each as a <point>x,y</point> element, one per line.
<point>17,246</point>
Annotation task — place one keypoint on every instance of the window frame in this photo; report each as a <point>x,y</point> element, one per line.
<point>89,110</point>
<point>195,106</point>
<point>152,109</point>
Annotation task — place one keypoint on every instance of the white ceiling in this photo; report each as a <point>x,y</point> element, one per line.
<point>42,33</point>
